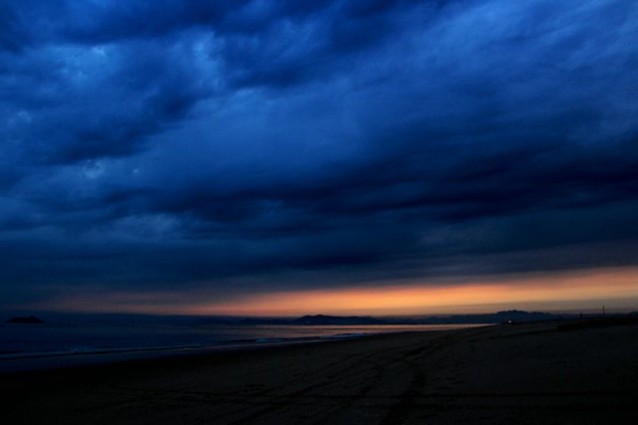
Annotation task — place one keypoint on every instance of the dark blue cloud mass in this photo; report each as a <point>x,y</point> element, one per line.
<point>186,144</point>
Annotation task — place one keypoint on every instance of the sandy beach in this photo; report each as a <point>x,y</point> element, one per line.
<point>517,374</point>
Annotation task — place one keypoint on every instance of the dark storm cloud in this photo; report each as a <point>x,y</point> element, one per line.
<point>174,144</point>
<point>66,104</point>
<point>158,59</point>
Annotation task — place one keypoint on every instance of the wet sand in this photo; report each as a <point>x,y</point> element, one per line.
<point>523,374</point>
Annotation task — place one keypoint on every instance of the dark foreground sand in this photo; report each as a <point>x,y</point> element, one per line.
<point>526,374</point>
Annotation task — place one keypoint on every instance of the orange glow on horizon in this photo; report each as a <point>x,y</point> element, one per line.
<point>616,288</point>
<point>565,291</point>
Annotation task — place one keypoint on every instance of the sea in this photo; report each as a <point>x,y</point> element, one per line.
<point>29,347</point>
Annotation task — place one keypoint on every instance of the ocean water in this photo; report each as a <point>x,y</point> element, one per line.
<point>49,345</point>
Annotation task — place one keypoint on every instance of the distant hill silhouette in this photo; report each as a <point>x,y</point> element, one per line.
<point>508,316</point>
<point>26,320</point>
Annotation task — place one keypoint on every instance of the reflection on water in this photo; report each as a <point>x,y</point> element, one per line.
<point>23,344</point>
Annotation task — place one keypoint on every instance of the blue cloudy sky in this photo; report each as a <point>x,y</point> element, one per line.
<point>230,147</point>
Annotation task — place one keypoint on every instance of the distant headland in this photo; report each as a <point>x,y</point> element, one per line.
<point>508,316</point>
<point>26,320</point>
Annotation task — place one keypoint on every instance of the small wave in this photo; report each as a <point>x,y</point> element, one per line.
<point>269,340</point>
<point>345,336</point>
<point>92,350</point>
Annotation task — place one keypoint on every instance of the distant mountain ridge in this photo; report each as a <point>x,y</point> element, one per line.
<point>517,316</point>
<point>507,316</point>
<point>29,320</point>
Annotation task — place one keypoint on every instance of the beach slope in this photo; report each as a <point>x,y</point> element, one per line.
<point>524,374</point>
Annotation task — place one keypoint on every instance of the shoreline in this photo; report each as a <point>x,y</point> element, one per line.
<point>531,373</point>
<point>41,361</point>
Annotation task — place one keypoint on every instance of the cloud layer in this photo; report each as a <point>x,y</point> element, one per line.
<point>149,145</point>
